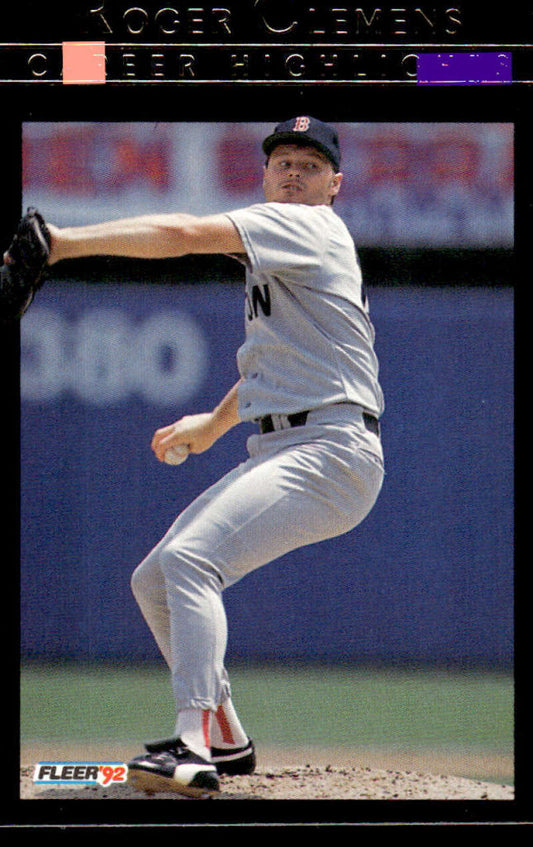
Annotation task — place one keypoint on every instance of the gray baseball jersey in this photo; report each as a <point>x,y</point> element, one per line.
<point>308,347</point>
<point>309,339</point>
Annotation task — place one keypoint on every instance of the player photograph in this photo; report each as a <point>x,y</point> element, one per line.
<point>146,338</point>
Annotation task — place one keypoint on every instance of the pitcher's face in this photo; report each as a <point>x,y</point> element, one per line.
<point>300,174</point>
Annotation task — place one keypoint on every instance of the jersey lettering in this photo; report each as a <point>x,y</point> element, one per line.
<point>301,125</point>
<point>259,300</point>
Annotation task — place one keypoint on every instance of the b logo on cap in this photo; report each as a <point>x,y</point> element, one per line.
<point>301,125</point>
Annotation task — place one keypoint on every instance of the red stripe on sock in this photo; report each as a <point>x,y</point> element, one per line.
<point>227,735</point>
<point>206,715</point>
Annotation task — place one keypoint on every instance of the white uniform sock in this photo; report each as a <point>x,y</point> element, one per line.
<point>193,727</point>
<point>226,728</point>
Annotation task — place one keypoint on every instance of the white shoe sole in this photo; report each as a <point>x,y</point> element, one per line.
<point>153,783</point>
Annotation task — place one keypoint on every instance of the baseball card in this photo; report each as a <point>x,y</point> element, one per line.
<point>258,304</point>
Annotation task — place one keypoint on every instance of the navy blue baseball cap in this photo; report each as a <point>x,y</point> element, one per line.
<point>306,130</point>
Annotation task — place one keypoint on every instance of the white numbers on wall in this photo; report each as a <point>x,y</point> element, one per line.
<point>105,357</point>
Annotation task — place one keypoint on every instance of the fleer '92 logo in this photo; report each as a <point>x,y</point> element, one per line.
<point>89,773</point>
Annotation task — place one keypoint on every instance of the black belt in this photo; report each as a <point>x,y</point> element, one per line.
<point>266,424</point>
<point>371,423</point>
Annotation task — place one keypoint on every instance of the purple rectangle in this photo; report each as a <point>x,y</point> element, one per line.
<point>464,69</point>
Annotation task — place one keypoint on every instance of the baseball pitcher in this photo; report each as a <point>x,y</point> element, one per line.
<point>308,378</point>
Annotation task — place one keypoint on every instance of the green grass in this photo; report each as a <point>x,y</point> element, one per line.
<point>379,707</point>
<point>331,706</point>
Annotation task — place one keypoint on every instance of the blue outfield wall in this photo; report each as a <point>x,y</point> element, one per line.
<point>427,577</point>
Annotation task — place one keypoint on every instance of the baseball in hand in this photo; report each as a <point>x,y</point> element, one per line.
<point>177,454</point>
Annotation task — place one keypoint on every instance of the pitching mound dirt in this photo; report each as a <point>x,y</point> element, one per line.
<point>299,782</point>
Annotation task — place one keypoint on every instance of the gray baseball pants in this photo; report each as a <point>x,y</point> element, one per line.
<point>298,486</point>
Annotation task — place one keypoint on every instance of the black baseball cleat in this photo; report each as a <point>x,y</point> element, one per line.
<point>234,761</point>
<point>169,765</point>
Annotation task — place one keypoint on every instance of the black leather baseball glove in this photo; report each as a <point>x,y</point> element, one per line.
<point>24,264</point>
